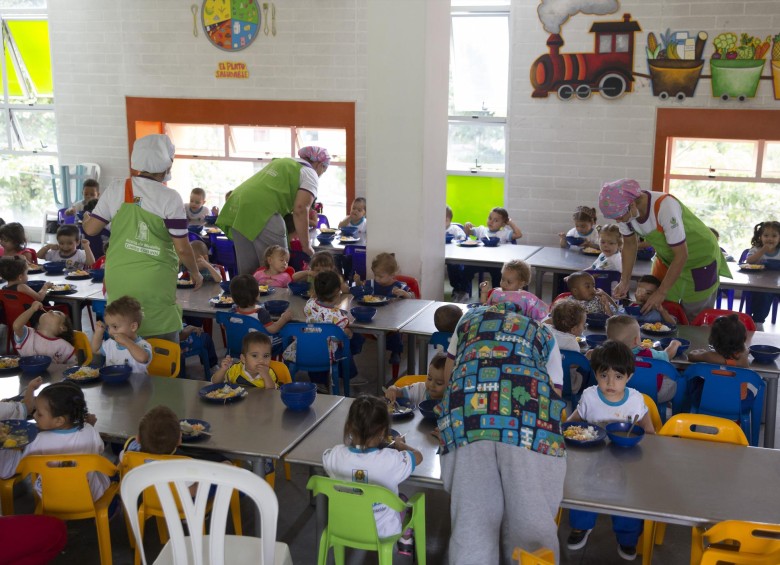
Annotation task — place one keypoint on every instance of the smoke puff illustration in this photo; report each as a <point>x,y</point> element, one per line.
<point>554,13</point>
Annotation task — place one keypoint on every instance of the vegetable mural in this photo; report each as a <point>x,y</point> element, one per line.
<point>736,65</point>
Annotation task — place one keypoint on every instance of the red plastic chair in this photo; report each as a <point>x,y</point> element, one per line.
<point>706,317</point>
<point>412,283</point>
<point>677,311</point>
<point>14,303</point>
<point>31,252</point>
<point>99,263</point>
<point>561,296</point>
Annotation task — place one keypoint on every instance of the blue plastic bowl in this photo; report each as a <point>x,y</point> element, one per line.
<point>349,230</point>
<point>773,264</point>
<point>36,285</point>
<point>595,340</point>
<point>299,396</point>
<point>358,291</point>
<point>634,311</point>
<point>276,307</point>
<point>363,314</point>
<point>616,431</point>
<point>448,237</point>
<point>575,241</point>
<point>298,288</point>
<point>645,254</point>
<point>325,237</point>
<point>426,409</point>
<point>764,354</point>
<point>97,274</point>
<point>195,229</point>
<point>490,241</point>
<point>597,321</point>
<point>34,364</point>
<point>225,286</point>
<point>684,344</point>
<point>115,374</point>
<point>54,267</point>
<point>211,220</point>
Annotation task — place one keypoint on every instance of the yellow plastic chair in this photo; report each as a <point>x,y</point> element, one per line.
<point>742,542</point>
<point>655,416</point>
<point>409,379</point>
<point>351,519</point>
<point>83,347</point>
<point>541,556</point>
<point>65,491</point>
<point>690,426</point>
<point>150,504</point>
<point>166,357</point>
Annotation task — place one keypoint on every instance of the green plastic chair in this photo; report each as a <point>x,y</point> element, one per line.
<point>351,519</point>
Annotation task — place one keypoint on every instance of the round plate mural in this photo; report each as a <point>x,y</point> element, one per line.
<point>231,25</point>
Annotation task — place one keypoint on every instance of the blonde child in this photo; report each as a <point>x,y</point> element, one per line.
<point>764,245</point>
<point>14,271</point>
<point>90,190</point>
<point>499,225</point>
<point>67,249</point>
<point>196,211</point>
<point>255,367</point>
<point>53,336</point>
<point>361,459</point>
<point>245,291</point>
<point>582,286</point>
<point>357,216</point>
<point>610,401</point>
<point>584,219</point>
<point>452,229</point>
<point>320,262</point>
<point>567,320</point>
<point>515,275</point>
<point>610,243</point>
<point>432,388</point>
<point>14,242</point>
<point>208,271</point>
<point>122,318</point>
<point>645,288</point>
<point>275,272</point>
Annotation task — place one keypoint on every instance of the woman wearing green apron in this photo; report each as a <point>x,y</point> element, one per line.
<point>688,260</point>
<point>148,237</point>
<point>253,215</point>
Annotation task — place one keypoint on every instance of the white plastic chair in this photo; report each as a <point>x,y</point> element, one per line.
<point>198,548</point>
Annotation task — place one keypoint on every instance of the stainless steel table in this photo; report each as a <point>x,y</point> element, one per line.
<point>420,329</point>
<point>763,281</point>
<point>337,248</point>
<point>487,256</point>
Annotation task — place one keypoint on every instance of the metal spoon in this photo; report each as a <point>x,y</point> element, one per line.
<point>636,419</point>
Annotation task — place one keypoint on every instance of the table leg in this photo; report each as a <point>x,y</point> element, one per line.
<point>381,349</point>
<point>538,279</point>
<point>423,345</point>
<point>411,354</point>
<point>770,419</point>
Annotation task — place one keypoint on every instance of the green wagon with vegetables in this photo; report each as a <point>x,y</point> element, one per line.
<point>737,65</point>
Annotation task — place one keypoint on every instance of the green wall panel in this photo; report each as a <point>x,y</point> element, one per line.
<point>472,198</point>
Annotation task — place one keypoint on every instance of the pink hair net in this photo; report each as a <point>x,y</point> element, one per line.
<point>616,197</point>
<point>314,154</point>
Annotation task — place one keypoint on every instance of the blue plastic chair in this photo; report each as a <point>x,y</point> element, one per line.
<point>322,220</point>
<point>721,395</point>
<point>744,306</point>
<point>62,219</point>
<point>581,364</point>
<point>645,380</point>
<point>299,260</point>
<point>358,255</point>
<point>441,338</point>
<point>236,327</point>
<point>313,352</point>
<point>193,346</point>
<point>605,279</point>
<point>224,253</point>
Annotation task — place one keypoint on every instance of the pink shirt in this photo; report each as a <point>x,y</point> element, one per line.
<point>281,280</point>
<point>529,303</point>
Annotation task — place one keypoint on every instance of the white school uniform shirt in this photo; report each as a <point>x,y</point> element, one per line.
<point>198,217</point>
<point>76,261</point>
<point>593,407</point>
<point>362,226</point>
<point>604,263</point>
<point>383,467</point>
<point>116,354</point>
<point>33,343</point>
<point>415,392</point>
<point>456,231</point>
<point>775,255</point>
<point>504,235</point>
<point>591,237</point>
<point>565,340</point>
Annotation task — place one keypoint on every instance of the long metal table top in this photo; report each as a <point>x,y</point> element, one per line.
<point>487,256</point>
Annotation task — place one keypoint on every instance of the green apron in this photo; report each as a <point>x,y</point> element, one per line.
<point>143,264</point>
<point>705,265</point>
<point>270,191</point>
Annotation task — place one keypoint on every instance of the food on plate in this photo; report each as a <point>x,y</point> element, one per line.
<point>226,391</point>
<point>9,438</point>
<point>581,433</point>
<point>263,288</point>
<point>60,287</point>
<point>469,243</point>
<point>224,299</point>
<point>372,298</point>
<point>185,282</point>
<point>349,238</point>
<point>647,343</point>
<point>327,230</point>
<point>751,267</point>
<point>79,273</point>
<point>9,362</point>
<point>656,327</point>
<point>84,373</point>
<point>191,429</point>
<point>590,251</point>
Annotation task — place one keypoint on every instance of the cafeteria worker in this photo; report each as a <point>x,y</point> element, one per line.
<point>688,260</point>
<point>148,238</point>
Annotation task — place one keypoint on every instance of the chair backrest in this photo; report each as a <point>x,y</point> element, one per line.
<point>703,427</point>
<point>99,308</point>
<point>580,362</point>
<point>282,372</point>
<point>314,339</point>
<point>133,459</point>
<point>166,358</point>
<point>655,416</point>
<point>411,282</point>
<point>706,317</point>
<point>407,380</point>
<point>83,347</point>
<point>224,253</point>
<point>358,254</point>
<point>605,279</point>
<point>14,303</point>
<point>32,252</point>
<point>322,220</point>
<point>236,327</point>
<point>441,338</point>
<point>99,262</point>
<point>647,373</point>
<point>677,311</point>
<point>63,219</point>
<point>299,261</point>
<point>65,488</point>
<point>561,296</point>
<point>181,473</point>
<point>743,256</point>
<point>742,542</point>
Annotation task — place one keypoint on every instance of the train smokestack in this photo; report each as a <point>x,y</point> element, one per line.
<point>554,43</point>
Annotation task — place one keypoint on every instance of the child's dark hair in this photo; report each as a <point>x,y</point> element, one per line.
<point>584,214</point>
<point>757,231</point>
<point>567,315</point>
<point>501,212</point>
<point>11,268</point>
<point>14,232</point>
<point>199,191</point>
<point>520,268</point>
<point>446,318</point>
<point>244,289</point>
<point>159,431</point>
<point>66,399</point>
<point>90,183</point>
<point>89,205</point>
<point>270,252</point>
<point>327,286</point>
<point>650,279</point>
<point>68,230</point>
<point>254,338</point>
<point>368,419</point>
<point>575,279</point>
<point>728,336</point>
<point>439,359</point>
<point>126,307</point>
<point>322,260</point>
<point>613,355</point>
<point>448,212</point>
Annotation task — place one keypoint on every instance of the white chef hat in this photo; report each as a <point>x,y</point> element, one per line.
<point>152,153</point>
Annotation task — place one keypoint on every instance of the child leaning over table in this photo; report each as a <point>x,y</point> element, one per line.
<point>583,289</point>
<point>14,270</point>
<point>515,275</point>
<point>432,388</point>
<point>122,319</point>
<point>208,271</point>
<point>645,288</point>
<point>159,433</point>
<point>610,401</point>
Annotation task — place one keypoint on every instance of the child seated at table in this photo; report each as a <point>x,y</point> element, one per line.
<point>90,190</point>
<point>446,318</point>
<point>432,388</point>
<point>320,262</point>
<point>52,336</point>
<point>122,319</point>
<point>14,270</point>
<point>515,275</point>
<point>645,288</point>
<point>159,432</point>
<point>275,272</point>
<point>499,225</point>
<point>625,329</point>
<point>255,366</point>
<point>567,321</point>
<point>610,243</point>
<point>14,242</point>
<point>584,219</point>
<point>366,429</point>
<point>357,217</point>
<point>13,410</point>
<point>583,289</point>
<point>208,271</point>
<point>610,401</point>
<point>66,249</point>
<point>456,272</point>
<point>196,211</point>
<point>245,291</point>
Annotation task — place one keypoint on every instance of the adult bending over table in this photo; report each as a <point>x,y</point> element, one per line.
<point>148,238</point>
<point>503,458</point>
<point>253,217</point>
<point>688,260</point>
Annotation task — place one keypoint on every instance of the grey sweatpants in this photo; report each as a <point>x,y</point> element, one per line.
<point>250,253</point>
<point>693,309</point>
<point>502,497</point>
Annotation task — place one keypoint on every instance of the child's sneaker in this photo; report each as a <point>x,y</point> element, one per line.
<point>406,546</point>
<point>577,539</point>
<point>627,552</point>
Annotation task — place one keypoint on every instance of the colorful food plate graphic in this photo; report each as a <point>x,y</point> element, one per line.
<point>231,25</point>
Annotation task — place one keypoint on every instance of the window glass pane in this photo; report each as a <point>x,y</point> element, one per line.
<point>621,43</point>
<point>332,192</point>
<point>25,187</point>
<point>605,43</point>
<point>260,142</point>
<point>31,39</point>
<point>771,166</point>
<point>334,140</point>
<point>215,177</point>
<point>3,130</point>
<point>476,145</point>
<point>22,4</point>
<point>34,130</point>
<point>712,157</point>
<point>479,66</point>
<point>197,140</point>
